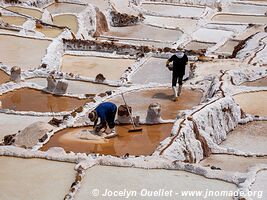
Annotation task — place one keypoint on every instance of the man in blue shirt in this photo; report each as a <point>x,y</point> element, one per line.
<point>106,112</point>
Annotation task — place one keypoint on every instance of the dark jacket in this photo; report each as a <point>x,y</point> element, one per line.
<point>106,112</point>
<point>179,64</point>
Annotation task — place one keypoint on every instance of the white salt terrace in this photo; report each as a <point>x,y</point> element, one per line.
<point>118,178</point>
<point>11,124</point>
<point>174,10</point>
<point>260,185</point>
<point>34,179</point>
<point>19,51</point>
<point>153,71</point>
<point>57,8</point>
<point>144,32</point>
<point>250,137</point>
<point>77,87</point>
<point>211,35</point>
<point>111,68</point>
<point>228,47</point>
<point>249,19</point>
<point>194,45</point>
<point>246,9</point>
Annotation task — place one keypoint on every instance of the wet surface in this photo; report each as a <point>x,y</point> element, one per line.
<point>194,45</point>
<point>26,11</point>
<point>78,87</point>
<point>228,47</point>
<point>18,51</point>
<point>138,143</point>
<point>101,4</point>
<point>49,32</point>
<point>67,20</point>
<point>57,8</point>
<point>253,102</point>
<point>240,18</point>
<point>250,137</point>
<point>3,77</point>
<point>262,82</point>
<point>12,20</point>
<point>144,32</point>
<point>140,100</point>
<point>34,178</point>
<point>88,66</point>
<point>174,10</point>
<point>232,163</point>
<point>26,99</point>
<point>119,178</point>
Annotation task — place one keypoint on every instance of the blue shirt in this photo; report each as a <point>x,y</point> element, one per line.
<point>105,111</point>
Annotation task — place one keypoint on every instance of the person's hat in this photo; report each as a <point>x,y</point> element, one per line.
<point>92,116</point>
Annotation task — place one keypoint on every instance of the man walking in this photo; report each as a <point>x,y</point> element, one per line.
<point>179,60</point>
<point>106,112</point>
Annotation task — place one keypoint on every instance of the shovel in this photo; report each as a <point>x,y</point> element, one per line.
<point>130,114</point>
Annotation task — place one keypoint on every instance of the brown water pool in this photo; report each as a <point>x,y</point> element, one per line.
<point>57,8</point>
<point>3,77</point>
<point>262,82</point>
<point>253,19</point>
<point>253,102</point>
<point>67,20</point>
<point>199,45</point>
<point>140,101</point>
<point>49,32</point>
<point>27,11</point>
<point>13,20</point>
<point>139,143</point>
<point>26,99</point>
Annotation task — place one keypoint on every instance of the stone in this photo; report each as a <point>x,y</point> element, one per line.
<point>55,122</point>
<point>61,87</point>
<point>51,83</point>
<point>154,114</point>
<point>15,74</point>
<point>124,115</point>
<point>100,78</point>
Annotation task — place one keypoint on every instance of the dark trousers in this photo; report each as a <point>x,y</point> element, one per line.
<point>111,119</point>
<point>176,77</point>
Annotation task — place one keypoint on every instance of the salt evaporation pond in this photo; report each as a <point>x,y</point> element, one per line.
<point>4,77</point>
<point>260,185</point>
<point>111,178</point>
<point>26,99</point>
<point>238,163</point>
<point>26,11</point>
<point>249,137</point>
<point>139,143</point>
<point>253,102</point>
<point>49,32</point>
<point>228,47</point>
<point>90,66</point>
<point>174,10</point>
<point>78,87</point>
<point>140,100</point>
<point>249,19</point>
<point>195,45</point>
<point>13,20</point>
<point>143,31</point>
<point>11,124</point>
<point>210,35</point>
<point>246,8</point>
<point>19,51</point>
<point>34,178</point>
<point>262,82</point>
<point>67,20</point>
<point>57,8</point>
